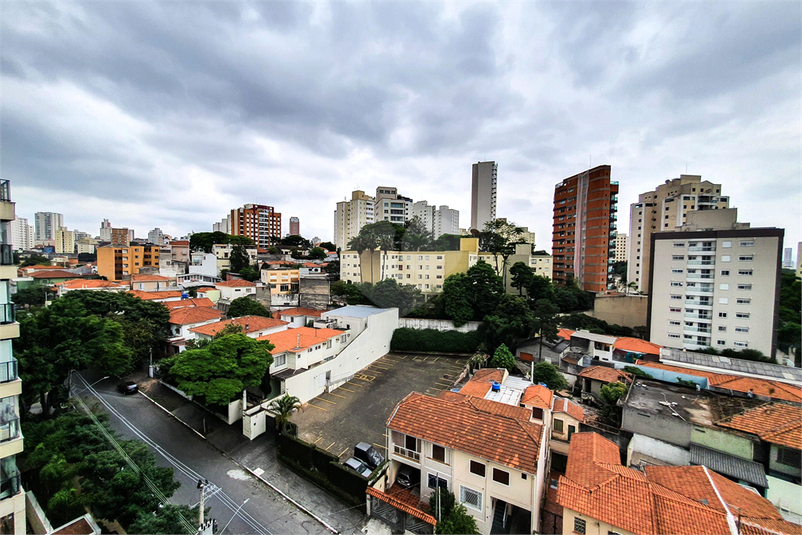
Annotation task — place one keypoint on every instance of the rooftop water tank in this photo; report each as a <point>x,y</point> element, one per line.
<point>496,386</point>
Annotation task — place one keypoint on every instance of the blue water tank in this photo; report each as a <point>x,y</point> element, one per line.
<point>496,386</point>
<point>184,295</point>
<point>543,384</point>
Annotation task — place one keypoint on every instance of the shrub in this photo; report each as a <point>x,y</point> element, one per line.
<point>406,339</point>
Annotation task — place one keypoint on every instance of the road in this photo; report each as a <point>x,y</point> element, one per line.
<point>192,458</point>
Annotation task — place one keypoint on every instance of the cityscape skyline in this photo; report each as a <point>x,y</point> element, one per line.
<point>114,128</point>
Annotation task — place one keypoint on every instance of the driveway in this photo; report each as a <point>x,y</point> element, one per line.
<point>358,410</point>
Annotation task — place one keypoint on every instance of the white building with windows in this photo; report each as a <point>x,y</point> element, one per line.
<point>446,221</point>
<point>715,283</point>
<point>21,234</point>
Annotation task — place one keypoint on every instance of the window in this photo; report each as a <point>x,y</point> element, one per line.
<point>438,453</point>
<point>678,244</point>
<point>470,498</point>
<point>280,360</point>
<point>673,322</point>
<point>725,272</point>
<point>673,335</point>
<point>726,258</point>
<point>742,329</point>
<point>746,258</point>
<point>745,272</point>
<point>741,344</point>
<point>579,526</point>
<point>723,301</point>
<point>501,476</point>
<point>676,271</point>
<point>678,257</point>
<point>789,457</point>
<point>436,481</point>
<point>742,315</point>
<point>723,286</point>
<point>675,296</point>
<point>722,329</point>
<point>743,301</point>
<point>676,283</point>
<point>744,286</point>
<point>558,425</point>
<point>674,309</point>
<point>478,468</point>
<point>721,342</point>
<point>537,413</point>
<point>749,243</point>
<point>722,314</point>
<point>410,443</point>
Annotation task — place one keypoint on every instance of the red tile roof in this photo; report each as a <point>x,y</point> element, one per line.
<point>179,242</point>
<point>636,345</point>
<point>154,296</point>
<point>777,423</point>
<point>237,283</point>
<point>570,408</point>
<point>300,311</point>
<point>538,396</point>
<point>665,500</point>
<point>299,339</point>
<point>253,324</point>
<point>88,284</point>
<point>397,500</point>
<point>606,375</point>
<point>476,388</point>
<point>565,334</point>
<point>191,302</point>
<point>51,274</point>
<point>189,315</point>
<point>489,375</point>
<point>487,429</point>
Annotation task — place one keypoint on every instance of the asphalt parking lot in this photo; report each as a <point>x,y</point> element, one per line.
<point>358,410</point>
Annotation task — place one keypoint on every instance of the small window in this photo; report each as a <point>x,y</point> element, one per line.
<point>673,335</point>
<point>438,453</point>
<point>740,344</point>
<point>723,301</point>
<point>742,315</point>
<point>725,272</point>
<point>558,425</point>
<point>678,257</point>
<point>722,328</point>
<point>676,297</point>
<point>789,457</point>
<point>745,272</point>
<point>470,498</point>
<point>726,258</point>
<point>435,481</point>
<point>722,314</point>
<point>674,309</point>
<point>742,329</point>
<point>579,526</point>
<point>478,468</point>
<point>744,286</point>
<point>673,322</point>
<point>747,243</point>
<point>743,301</point>
<point>746,258</point>
<point>537,413</point>
<point>501,476</point>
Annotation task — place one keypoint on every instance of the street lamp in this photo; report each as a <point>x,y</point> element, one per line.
<point>232,516</point>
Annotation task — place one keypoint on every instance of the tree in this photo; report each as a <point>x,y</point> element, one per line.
<point>284,407</point>
<point>458,305</point>
<point>545,372</point>
<point>499,237</point>
<point>447,242</point>
<point>388,293</point>
<point>203,241</point>
<point>220,372</point>
<point>328,246</point>
<point>620,269</point>
<point>610,394</point>
<point>540,288</point>
<point>299,242</point>
<point>245,306</point>
<point>316,253</point>
<point>452,517</point>
<point>250,273</point>
<point>32,296</point>
<point>511,320</point>
<point>35,260</point>
<point>273,250</point>
<point>239,258</point>
<point>231,328</point>
<point>351,293</point>
<point>503,358</point>
<point>522,276</point>
<point>485,289</point>
<point>544,314</point>
<point>416,236</point>
<point>167,519</point>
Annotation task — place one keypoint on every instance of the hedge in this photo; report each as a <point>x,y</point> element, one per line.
<point>406,339</point>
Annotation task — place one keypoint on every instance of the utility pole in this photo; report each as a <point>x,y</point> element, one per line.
<point>201,486</point>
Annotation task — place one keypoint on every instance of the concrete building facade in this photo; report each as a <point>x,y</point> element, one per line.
<point>351,216</point>
<point>484,184</point>
<point>46,224</point>
<point>156,236</point>
<point>64,241</point>
<point>295,226</point>
<point>118,263</point>
<point>105,230</point>
<point>621,246</point>
<point>446,221</point>
<point>664,209</point>
<point>715,283</point>
<point>584,228</point>
<point>258,222</point>
<point>22,236</point>
<point>425,213</point>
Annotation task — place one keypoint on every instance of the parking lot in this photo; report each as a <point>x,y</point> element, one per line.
<point>358,410</point>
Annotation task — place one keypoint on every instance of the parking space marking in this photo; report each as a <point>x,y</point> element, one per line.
<point>377,445</point>
<point>355,384</point>
<point>343,388</point>
<point>341,453</point>
<point>318,440</point>
<point>327,401</point>
<point>443,384</point>
<point>315,406</point>
<point>385,368</point>
<point>330,445</point>
<point>364,377</point>
<point>436,359</point>
<point>337,395</point>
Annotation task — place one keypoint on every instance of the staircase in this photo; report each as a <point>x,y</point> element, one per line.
<point>500,518</point>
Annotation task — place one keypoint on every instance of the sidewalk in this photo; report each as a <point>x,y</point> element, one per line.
<point>258,455</point>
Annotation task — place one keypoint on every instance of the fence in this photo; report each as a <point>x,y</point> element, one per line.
<point>440,325</point>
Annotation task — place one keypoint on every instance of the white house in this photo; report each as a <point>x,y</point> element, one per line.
<point>252,326</point>
<point>233,289</point>
<point>299,316</point>
<point>183,320</point>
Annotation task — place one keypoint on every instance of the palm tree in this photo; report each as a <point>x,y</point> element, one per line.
<point>284,407</point>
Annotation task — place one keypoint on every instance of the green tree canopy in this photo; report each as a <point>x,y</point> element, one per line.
<point>245,306</point>
<point>317,253</point>
<point>299,242</point>
<point>328,246</point>
<point>544,314</point>
<point>239,258</point>
<point>503,358</point>
<point>284,407</point>
<point>610,394</point>
<point>522,276</point>
<point>452,517</point>
<point>416,236</point>
<point>35,260</point>
<point>33,296</point>
<point>447,242</point>
<point>545,372</point>
<point>499,238</point>
<point>511,321</point>
<point>203,241</point>
<point>220,372</point>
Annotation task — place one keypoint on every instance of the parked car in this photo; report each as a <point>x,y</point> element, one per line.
<point>368,455</point>
<point>128,387</point>
<point>407,476</point>
<point>358,466</point>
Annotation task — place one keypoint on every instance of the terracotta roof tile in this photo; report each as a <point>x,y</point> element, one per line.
<point>606,375</point>
<point>636,345</point>
<point>396,500</point>
<point>565,334</point>
<point>489,375</point>
<point>778,423</point>
<point>300,311</point>
<point>476,388</point>
<point>538,396</point>
<point>51,274</point>
<point>237,283</point>
<point>191,302</point>
<point>299,339</point>
<point>474,426</point>
<point>81,284</point>
<point>186,316</point>
<point>253,324</point>
<point>154,296</point>
<point>570,408</point>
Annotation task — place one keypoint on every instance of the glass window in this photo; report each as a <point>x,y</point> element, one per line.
<point>579,526</point>
<point>478,468</point>
<point>501,476</point>
<point>558,425</point>
<point>435,481</point>
<point>438,453</point>
<point>470,498</point>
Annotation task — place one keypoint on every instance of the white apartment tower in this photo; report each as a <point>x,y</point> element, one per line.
<point>484,180</point>
<point>621,243</point>
<point>392,207</point>
<point>156,236</point>
<point>105,230</point>
<point>22,237</point>
<point>446,221</point>
<point>425,213</point>
<point>46,224</point>
<point>12,495</point>
<point>665,209</point>
<point>715,283</point>
<point>351,216</point>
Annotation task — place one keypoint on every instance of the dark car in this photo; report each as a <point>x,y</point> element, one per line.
<point>368,455</point>
<point>128,387</point>
<point>358,466</point>
<point>407,476</point>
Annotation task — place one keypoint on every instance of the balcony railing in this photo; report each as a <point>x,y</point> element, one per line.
<point>8,371</point>
<point>409,454</point>
<point>6,255</point>
<point>699,276</point>
<point>701,249</point>
<point>694,289</point>
<point>701,262</point>
<point>9,486</point>
<point>697,330</point>
<point>5,190</point>
<point>693,315</point>
<point>9,429</point>
<point>7,313</point>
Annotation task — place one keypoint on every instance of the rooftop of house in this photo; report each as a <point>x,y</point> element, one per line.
<point>606,375</point>
<point>300,339</point>
<point>570,408</point>
<point>777,423</point>
<point>191,302</point>
<point>725,365</point>
<point>355,311</point>
<point>88,284</point>
<point>236,283</point>
<point>593,337</point>
<point>565,333</point>
<point>300,311</point>
<point>664,500</point>
<point>489,430</point>
<point>152,296</point>
<point>249,324</point>
<point>636,345</point>
<point>52,274</point>
<point>189,315</point>
<point>537,396</point>
<point>702,408</point>
<point>144,277</point>
<point>510,391</point>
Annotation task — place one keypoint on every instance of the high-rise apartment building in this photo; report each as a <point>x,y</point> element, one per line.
<point>223,226</point>
<point>788,261</point>
<point>425,214</point>
<point>715,283</point>
<point>295,226</point>
<point>12,495</point>
<point>156,236</point>
<point>388,205</point>
<point>260,223</point>
<point>446,221</point>
<point>120,262</point>
<point>584,228</point>
<point>120,237</point>
<point>64,241</point>
<point>46,224</point>
<point>105,230</point>
<point>664,209</point>
<point>621,243</point>
<point>484,181</point>
<point>351,216</point>
<point>22,236</point>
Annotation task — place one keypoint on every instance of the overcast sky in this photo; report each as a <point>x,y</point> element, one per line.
<point>170,114</point>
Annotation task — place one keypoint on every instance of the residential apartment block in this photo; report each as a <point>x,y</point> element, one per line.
<point>22,236</point>
<point>621,245</point>
<point>46,224</point>
<point>64,241</point>
<point>446,221</point>
<point>121,237</point>
<point>295,226</point>
<point>584,228</point>
<point>484,185</point>
<point>117,262</point>
<point>715,283</point>
<point>258,222</point>
<point>425,214</point>
<point>351,216</point>
<point>392,207</point>
<point>156,236</point>
<point>664,209</point>
<point>105,231</point>
<point>12,495</point>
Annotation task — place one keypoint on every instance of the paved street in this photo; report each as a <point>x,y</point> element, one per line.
<point>192,457</point>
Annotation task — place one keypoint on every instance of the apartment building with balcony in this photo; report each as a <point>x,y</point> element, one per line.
<point>12,496</point>
<point>258,222</point>
<point>715,283</point>
<point>484,187</point>
<point>350,216</point>
<point>584,229</point>
<point>120,262</point>
<point>664,209</point>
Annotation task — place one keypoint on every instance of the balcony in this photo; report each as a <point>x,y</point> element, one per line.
<point>705,330</point>
<point>8,371</point>
<point>701,249</point>
<point>699,276</point>
<point>701,317</point>
<point>6,255</point>
<point>701,262</point>
<point>7,313</point>
<point>698,289</point>
<point>404,452</point>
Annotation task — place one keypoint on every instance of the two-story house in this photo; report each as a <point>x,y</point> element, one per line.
<point>151,283</point>
<point>491,455</point>
<point>183,320</point>
<point>230,290</point>
<point>252,326</point>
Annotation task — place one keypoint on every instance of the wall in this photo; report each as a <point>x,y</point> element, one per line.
<point>440,325</point>
<point>785,495</point>
<point>776,466</point>
<point>673,431</point>
<point>620,309</point>
<point>592,526</point>
<point>723,441</point>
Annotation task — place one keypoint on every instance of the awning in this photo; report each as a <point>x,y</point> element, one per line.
<point>729,465</point>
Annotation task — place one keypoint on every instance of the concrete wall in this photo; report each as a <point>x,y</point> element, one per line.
<point>440,325</point>
<point>592,526</point>
<point>626,310</point>
<point>673,431</point>
<point>723,441</point>
<point>780,467</point>
<point>785,496</point>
